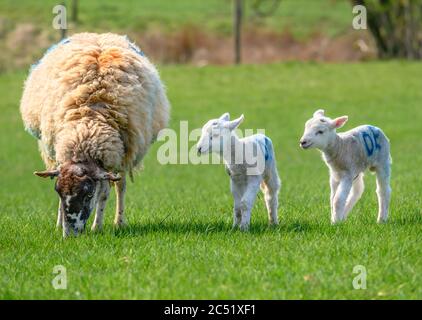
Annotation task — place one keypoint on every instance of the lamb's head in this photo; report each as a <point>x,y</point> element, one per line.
<point>78,186</point>
<point>216,133</point>
<point>320,130</point>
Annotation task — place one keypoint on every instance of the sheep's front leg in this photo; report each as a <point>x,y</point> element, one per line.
<point>237,195</point>
<point>339,201</point>
<point>355,194</point>
<point>120,187</point>
<point>247,201</point>
<point>334,182</point>
<point>102,200</point>
<point>59,215</point>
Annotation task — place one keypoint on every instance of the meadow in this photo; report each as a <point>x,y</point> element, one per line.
<point>179,243</point>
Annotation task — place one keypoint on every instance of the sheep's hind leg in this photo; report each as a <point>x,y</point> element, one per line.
<point>102,200</point>
<point>270,189</point>
<point>120,187</point>
<point>383,192</point>
<point>355,194</point>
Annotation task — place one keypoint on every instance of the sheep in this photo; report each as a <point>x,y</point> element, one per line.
<point>250,163</point>
<point>96,104</point>
<point>348,155</point>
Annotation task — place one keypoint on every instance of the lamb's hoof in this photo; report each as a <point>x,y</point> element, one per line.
<point>120,224</point>
<point>96,228</point>
<point>382,220</point>
<point>244,227</point>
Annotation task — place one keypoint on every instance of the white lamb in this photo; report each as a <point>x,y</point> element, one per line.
<point>250,163</point>
<point>348,155</point>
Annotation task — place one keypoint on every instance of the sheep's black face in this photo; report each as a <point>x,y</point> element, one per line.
<point>78,186</point>
<point>77,190</point>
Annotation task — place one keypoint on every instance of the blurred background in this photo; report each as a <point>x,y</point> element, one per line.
<point>200,32</point>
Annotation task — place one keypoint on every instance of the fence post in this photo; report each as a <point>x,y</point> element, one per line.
<point>237,26</point>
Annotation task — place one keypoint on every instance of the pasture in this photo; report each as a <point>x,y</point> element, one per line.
<point>179,243</point>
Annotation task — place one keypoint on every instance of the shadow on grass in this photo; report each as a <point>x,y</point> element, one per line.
<point>210,228</point>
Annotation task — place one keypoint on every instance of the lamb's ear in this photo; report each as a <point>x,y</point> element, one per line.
<point>109,176</point>
<point>47,173</point>
<point>225,117</point>
<point>319,113</point>
<point>339,122</point>
<point>235,123</point>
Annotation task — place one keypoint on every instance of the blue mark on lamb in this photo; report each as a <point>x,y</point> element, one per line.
<point>370,140</point>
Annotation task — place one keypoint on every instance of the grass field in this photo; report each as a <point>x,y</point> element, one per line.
<point>179,242</point>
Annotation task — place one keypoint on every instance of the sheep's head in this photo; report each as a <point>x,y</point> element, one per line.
<point>217,132</point>
<point>320,130</point>
<point>78,186</point>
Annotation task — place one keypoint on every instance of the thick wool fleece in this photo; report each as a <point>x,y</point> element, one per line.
<point>94,97</point>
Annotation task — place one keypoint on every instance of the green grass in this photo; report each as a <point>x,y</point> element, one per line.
<point>179,242</point>
<point>302,17</point>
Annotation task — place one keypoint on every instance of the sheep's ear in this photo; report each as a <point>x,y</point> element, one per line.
<point>47,173</point>
<point>235,123</point>
<point>319,113</point>
<point>225,117</point>
<point>109,176</point>
<point>339,122</point>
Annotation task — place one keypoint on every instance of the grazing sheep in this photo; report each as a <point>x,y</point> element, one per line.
<point>348,155</point>
<point>250,163</point>
<point>95,103</point>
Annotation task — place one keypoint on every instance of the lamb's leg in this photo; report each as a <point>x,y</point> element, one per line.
<point>237,212</point>
<point>120,187</point>
<point>271,187</point>
<point>339,201</point>
<point>59,215</point>
<point>334,182</point>
<point>355,194</point>
<point>102,200</point>
<point>383,192</point>
<point>247,201</point>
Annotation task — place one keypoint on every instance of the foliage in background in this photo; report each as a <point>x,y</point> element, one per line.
<point>396,26</point>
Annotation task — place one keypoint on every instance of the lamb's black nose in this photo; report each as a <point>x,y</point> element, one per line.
<point>199,151</point>
<point>303,142</point>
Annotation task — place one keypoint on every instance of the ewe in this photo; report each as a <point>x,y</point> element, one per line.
<point>95,104</point>
<point>348,155</point>
<point>250,163</point>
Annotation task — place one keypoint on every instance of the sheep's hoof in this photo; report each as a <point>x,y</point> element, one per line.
<point>120,224</point>
<point>381,220</point>
<point>244,227</point>
<point>96,228</point>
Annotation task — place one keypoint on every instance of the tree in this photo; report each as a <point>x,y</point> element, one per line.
<point>396,26</point>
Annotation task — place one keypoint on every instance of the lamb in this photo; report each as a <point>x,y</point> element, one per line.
<point>250,163</point>
<point>347,156</point>
<point>95,103</point>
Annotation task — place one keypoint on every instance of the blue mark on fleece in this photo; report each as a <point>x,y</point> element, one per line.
<point>134,47</point>
<point>371,141</point>
<point>54,46</point>
<point>267,148</point>
<point>265,144</point>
